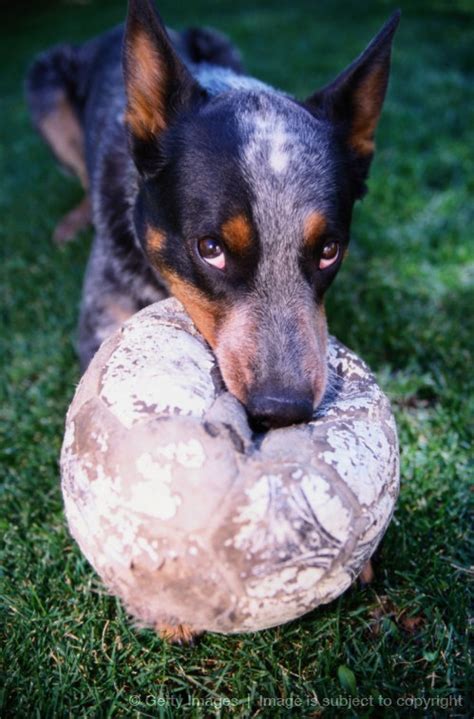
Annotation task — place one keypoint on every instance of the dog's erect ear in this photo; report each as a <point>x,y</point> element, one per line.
<point>158,85</point>
<point>354,100</point>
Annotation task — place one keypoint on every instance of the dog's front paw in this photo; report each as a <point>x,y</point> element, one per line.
<point>71,224</point>
<point>367,574</point>
<point>177,633</point>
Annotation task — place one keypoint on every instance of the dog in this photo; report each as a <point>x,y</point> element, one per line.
<point>209,185</point>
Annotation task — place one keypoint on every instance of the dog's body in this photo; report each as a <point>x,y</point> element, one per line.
<point>214,187</point>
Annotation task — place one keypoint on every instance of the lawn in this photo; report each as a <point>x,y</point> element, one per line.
<point>404,301</point>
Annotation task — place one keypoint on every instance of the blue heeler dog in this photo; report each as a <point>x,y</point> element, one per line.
<point>210,185</point>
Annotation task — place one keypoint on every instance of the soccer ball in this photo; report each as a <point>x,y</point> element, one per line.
<point>188,516</point>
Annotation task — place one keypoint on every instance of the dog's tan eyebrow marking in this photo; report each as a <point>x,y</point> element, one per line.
<point>237,232</point>
<point>314,227</point>
<point>155,240</point>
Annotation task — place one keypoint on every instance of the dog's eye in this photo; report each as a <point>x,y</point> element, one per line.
<point>329,255</point>
<point>211,252</point>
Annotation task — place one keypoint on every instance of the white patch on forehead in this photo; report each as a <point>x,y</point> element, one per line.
<point>282,149</point>
<point>270,134</point>
<point>273,152</point>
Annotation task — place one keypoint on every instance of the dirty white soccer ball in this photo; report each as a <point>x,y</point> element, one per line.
<point>191,519</point>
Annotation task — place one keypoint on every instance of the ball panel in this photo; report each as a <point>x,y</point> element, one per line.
<point>187,589</point>
<point>156,380</point>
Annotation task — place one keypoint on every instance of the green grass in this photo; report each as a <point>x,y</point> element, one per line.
<point>404,301</point>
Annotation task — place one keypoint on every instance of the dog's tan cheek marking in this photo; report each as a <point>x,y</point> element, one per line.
<point>314,227</point>
<point>313,327</point>
<point>206,314</point>
<point>146,87</point>
<point>236,345</point>
<point>237,232</point>
<point>368,104</point>
<point>233,374</point>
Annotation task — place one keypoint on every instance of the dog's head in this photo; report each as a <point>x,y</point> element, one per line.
<point>245,205</point>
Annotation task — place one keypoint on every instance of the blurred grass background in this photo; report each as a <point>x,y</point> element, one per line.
<point>404,300</point>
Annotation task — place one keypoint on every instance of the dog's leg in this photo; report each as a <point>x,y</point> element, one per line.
<point>73,222</point>
<point>63,133</point>
<point>367,574</point>
<point>54,108</point>
<point>107,300</point>
<point>177,633</point>
<point>100,317</point>
<point>104,305</point>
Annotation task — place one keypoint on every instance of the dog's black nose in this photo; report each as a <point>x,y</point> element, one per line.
<point>280,409</point>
